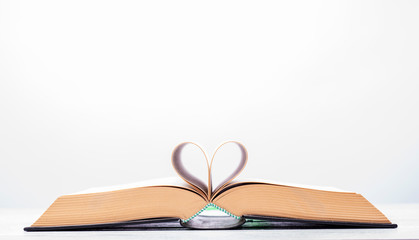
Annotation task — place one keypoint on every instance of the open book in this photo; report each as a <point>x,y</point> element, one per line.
<point>241,201</point>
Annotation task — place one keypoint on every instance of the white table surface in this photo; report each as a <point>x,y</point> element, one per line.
<point>406,216</point>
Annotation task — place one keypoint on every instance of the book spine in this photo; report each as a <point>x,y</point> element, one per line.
<point>214,206</point>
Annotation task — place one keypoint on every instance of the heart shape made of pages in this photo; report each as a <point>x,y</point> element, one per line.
<point>206,189</point>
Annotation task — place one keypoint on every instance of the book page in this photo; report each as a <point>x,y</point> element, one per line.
<point>187,175</point>
<point>257,180</point>
<point>172,181</point>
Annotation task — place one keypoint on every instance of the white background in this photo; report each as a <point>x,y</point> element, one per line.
<point>97,93</point>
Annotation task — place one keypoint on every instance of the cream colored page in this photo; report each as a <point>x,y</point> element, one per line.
<point>257,180</point>
<point>172,181</point>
